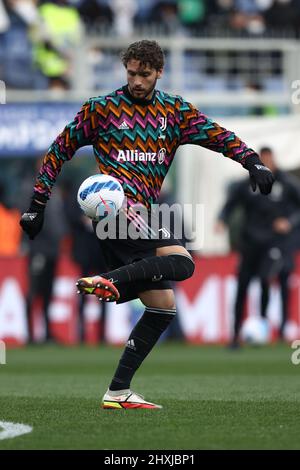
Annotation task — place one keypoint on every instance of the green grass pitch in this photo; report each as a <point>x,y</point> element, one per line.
<point>212,399</point>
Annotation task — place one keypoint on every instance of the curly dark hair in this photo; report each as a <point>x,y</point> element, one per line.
<point>147,52</point>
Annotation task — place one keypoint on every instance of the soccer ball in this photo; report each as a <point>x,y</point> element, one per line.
<point>100,196</point>
<point>255,331</point>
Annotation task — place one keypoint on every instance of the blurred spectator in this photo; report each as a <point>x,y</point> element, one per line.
<point>4,19</point>
<point>218,13</point>
<point>124,12</point>
<point>143,11</point>
<point>86,252</point>
<point>268,238</point>
<point>46,34</point>
<point>43,255</point>
<point>164,15</point>
<point>56,37</point>
<point>16,49</point>
<point>250,24</point>
<point>192,13</point>
<point>58,86</point>
<point>283,15</point>
<point>96,13</point>
<point>249,7</point>
<point>10,230</point>
<point>26,9</point>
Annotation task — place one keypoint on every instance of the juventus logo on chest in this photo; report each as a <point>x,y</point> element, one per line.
<point>163,123</point>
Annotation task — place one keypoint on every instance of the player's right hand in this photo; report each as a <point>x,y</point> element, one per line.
<point>32,220</point>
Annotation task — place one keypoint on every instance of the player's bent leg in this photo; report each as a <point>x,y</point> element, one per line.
<point>175,264</point>
<point>103,288</point>
<point>170,263</point>
<point>159,312</point>
<point>183,264</point>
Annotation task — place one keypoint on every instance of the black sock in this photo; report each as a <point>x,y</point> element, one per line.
<point>143,337</point>
<point>175,267</point>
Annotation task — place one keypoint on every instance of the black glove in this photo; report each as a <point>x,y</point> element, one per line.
<point>260,175</point>
<point>32,220</point>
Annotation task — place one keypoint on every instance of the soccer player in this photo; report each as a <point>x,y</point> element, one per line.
<point>135,132</point>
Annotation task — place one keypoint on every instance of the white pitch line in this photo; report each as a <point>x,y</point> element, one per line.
<point>10,430</point>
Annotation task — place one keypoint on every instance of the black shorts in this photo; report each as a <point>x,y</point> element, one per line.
<point>119,251</point>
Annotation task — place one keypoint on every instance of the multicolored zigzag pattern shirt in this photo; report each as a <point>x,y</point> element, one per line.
<point>136,140</point>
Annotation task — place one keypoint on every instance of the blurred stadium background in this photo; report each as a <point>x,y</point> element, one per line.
<point>237,60</point>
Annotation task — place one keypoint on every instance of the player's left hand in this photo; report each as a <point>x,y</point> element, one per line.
<point>262,177</point>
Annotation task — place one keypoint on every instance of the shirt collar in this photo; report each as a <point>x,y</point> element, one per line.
<point>140,101</point>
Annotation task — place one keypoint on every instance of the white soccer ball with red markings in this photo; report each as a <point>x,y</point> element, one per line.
<point>100,196</point>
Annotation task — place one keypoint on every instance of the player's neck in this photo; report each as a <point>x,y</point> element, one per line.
<point>141,101</point>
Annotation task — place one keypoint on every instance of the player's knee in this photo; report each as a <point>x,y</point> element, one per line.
<point>184,266</point>
<point>164,301</point>
<point>167,300</point>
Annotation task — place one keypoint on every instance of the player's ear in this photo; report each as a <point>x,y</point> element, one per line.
<point>159,73</point>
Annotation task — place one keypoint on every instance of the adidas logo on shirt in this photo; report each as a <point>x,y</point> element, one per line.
<point>124,125</point>
<point>130,344</point>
